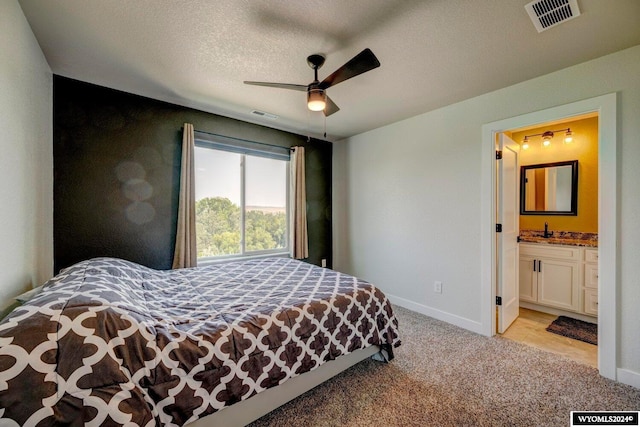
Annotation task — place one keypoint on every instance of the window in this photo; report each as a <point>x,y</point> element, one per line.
<point>241,201</point>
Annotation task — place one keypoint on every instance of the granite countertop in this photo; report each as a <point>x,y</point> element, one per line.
<point>570,238</point>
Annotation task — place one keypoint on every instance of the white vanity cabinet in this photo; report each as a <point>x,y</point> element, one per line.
<point>550,275</point>
<point>590,282</point>
<point>560,277</point>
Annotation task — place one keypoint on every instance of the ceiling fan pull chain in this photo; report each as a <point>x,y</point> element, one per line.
<point>325,126</point>
<point>308,125</point>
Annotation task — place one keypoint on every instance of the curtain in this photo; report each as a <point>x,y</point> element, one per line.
<point>298,206</point>
<point>185,250</point>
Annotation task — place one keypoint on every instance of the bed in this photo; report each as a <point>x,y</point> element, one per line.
<point>108,341</point>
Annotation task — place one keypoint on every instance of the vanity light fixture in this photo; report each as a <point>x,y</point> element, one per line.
<point>547,136</point>
<point>568,137</point>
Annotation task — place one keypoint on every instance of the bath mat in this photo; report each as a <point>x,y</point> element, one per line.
<point>576,329</point>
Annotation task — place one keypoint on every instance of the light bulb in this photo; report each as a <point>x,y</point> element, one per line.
<point>568,137</point>
<point>546,142</point>
<point>525,143</point>
<point>316,100</point>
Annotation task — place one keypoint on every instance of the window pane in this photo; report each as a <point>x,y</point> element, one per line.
<point>266,204</point>
<point>217,175</point>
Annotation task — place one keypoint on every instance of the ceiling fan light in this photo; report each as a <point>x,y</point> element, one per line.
<point>316,99</point>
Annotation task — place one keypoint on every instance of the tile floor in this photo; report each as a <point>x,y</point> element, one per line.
<point>529,328</point>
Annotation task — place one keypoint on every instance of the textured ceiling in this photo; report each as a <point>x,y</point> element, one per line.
<point>433,53</point>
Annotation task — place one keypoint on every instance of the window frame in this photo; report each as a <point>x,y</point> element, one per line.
<point>246,150</point>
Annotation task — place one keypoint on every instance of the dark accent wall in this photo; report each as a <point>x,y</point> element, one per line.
<point>104,137</point>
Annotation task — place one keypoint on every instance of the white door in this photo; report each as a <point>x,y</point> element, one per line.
<point>551,179</point>
<point>507,244</point>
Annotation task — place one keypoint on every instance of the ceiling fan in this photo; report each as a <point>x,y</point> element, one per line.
<point>317,99</point>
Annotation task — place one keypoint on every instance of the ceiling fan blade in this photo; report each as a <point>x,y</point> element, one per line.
<point>279,85</point>
<point>330,108</point>
<point>361,63</point>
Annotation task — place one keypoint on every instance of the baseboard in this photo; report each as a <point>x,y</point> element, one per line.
<point>628,377</point>
<point>462,322</point>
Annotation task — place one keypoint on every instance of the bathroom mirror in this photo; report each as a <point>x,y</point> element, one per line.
<point>549,189</point>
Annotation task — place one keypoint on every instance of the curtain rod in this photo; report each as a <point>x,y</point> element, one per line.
<point>245,140</point>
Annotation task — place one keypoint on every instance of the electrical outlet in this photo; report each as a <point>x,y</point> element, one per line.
<point>324,262</point>
<point>437,287</point>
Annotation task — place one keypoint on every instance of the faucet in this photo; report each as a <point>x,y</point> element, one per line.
<point>547,233</point>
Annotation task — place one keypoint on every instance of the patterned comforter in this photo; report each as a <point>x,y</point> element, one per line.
<point>110,342</point>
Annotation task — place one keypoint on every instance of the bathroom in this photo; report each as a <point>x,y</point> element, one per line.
<point>558,238</point>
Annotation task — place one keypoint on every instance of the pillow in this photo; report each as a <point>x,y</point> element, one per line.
<point>24,297</point>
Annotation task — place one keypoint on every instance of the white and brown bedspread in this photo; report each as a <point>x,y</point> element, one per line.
<point>110,342</point>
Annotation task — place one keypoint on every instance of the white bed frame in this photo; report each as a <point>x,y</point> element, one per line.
<point>247,411</point>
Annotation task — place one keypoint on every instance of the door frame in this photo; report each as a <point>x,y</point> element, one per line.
<point>608,234</point>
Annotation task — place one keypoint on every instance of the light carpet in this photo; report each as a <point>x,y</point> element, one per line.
<point>446,376</point>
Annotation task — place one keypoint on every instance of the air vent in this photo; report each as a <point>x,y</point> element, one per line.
<point>548,13</point>
<point>264,114</point>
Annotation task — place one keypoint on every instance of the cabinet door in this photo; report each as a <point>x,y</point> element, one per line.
<point>591,276</point>
<point>591,302</point>
<point>528,280</point>
<point>591,255</point>
<point>558,284</point>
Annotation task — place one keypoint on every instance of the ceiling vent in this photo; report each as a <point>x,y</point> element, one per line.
<point>548,13</point>
<point>264,114</point>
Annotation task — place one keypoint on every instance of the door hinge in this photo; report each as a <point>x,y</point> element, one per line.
<point>498,228</point>
<point>498,154</point>
<point>498,300</point>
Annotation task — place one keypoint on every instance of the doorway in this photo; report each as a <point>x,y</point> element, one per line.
<point>545,195</point>
<point>605,107</point>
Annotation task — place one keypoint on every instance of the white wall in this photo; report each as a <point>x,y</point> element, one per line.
<point>407,196</point>
<point>26,159</point>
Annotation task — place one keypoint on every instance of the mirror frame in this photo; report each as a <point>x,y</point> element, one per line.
<point>574,188</point>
